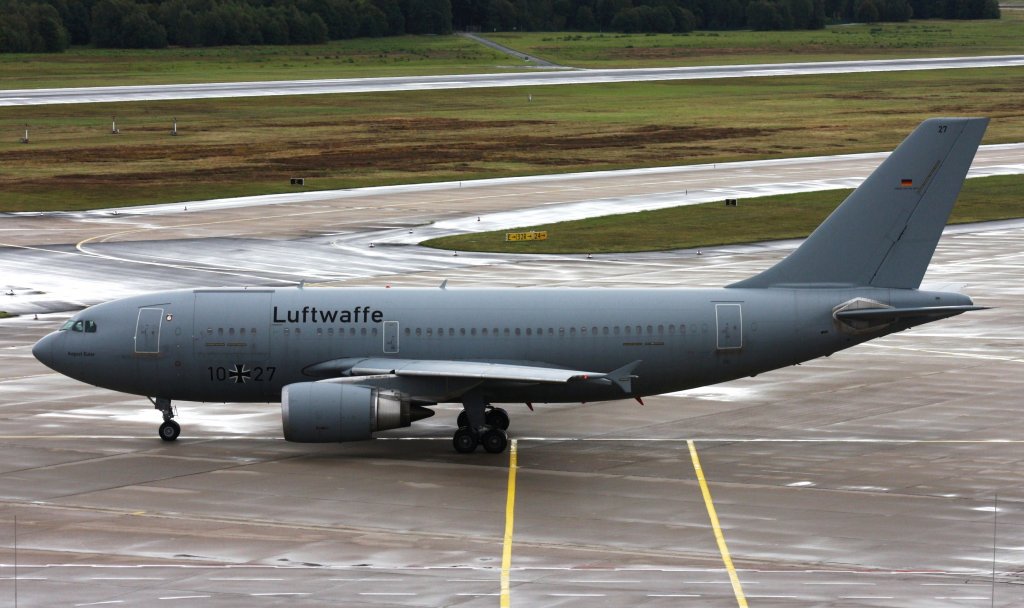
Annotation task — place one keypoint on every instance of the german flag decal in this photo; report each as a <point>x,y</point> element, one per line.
<point>906,183</point>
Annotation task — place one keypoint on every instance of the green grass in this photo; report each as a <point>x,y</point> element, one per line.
<point>754,220</point>
<point>361,57</point>
<point>842,42</point>
<point>249,146</point>
<point>6,315</point>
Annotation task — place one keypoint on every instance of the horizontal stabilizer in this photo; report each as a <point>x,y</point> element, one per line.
<point>886,314</point>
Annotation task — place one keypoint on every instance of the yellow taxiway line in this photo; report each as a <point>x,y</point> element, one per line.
<point>510,507</point>
<point>741,600</point>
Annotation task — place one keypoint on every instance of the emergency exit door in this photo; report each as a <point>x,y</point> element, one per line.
<point>729,318</point>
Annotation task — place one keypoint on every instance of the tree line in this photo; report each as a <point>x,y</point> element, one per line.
<point>53,25</point>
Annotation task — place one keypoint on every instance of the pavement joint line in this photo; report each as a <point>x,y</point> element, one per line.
<point>741,600</point>
<point>510,505</point>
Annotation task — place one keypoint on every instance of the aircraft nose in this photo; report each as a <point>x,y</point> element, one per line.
<point>43,350</point>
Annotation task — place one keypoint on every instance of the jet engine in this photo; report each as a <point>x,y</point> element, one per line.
<point>323,412</point>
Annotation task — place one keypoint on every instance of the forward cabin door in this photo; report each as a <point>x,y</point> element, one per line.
<point>147,331</point>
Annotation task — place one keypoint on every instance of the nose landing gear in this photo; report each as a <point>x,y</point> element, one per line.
<point>170,429</point>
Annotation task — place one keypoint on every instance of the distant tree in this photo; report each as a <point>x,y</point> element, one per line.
<point>627,20</point>
<point>125,24</point>
<point>585,20</point>
<point>866,11</point>
<point>395,18</point>
<point>427,16</point>
<point>896,10</point>
<point>501,15</point>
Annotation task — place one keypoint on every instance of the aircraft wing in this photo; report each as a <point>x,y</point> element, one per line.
<point>478,370</point>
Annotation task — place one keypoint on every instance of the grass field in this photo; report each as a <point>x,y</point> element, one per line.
<point>409,55</point>
<point>754,220</point>
<point>857,41</point>
<point>362,57</point>
<point>252,146</point>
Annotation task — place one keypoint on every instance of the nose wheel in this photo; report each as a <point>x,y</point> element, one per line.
<point>170,429</point>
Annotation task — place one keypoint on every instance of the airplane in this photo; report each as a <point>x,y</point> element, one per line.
<point>346,363</point>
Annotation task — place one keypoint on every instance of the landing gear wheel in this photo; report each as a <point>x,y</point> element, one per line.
<point>462,420</point>
<point>169,430</point>
<point>465,440</point>
<point>495,441</point>
<point>498,418</point>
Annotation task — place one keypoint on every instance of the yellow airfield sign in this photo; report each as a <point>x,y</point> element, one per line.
<point>533,235</point>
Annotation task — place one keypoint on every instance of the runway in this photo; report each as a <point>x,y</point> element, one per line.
<point>887,475</point>
<point>29,97</point>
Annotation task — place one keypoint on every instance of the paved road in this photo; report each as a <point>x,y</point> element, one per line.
<point>28,97</point>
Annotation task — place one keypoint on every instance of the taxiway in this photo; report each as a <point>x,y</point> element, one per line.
<point>887,475</point>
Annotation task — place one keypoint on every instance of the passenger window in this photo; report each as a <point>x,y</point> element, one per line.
<point>661,330</point>
<point>507,332</point>
<point>430,332</point>
<point>529,331</point>
<point>483,332</point>
<point>517,331</point>
<point>408,331</point>
<point>472,331</point>
<point>615,330</point>
<point>572,332</point>
<point>231,331</point>
<point>330,331</point>
<point>418,332</point>
<point>319,331</point>
<point>362,331</point>
<point>629,330</point>
<point>90,327</point>
<point>593,330</point>
<point>462,331</point>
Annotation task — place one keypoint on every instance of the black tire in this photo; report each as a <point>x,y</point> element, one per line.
<point>495,441</point>
<point>462,420</point>
<point>169,430</point>
<point>465,440</point>
<point>498,418</point>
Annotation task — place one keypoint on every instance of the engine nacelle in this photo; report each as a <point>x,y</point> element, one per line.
<point>323,412</point>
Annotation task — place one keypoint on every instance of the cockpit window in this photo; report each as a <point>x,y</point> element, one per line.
<point>80,325</point>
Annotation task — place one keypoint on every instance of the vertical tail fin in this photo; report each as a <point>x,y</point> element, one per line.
<point>885,232</point>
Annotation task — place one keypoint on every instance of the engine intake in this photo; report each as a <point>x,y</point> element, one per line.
<point>321,412</point>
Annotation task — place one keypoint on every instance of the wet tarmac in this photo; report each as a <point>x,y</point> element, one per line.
<point>886,475</point>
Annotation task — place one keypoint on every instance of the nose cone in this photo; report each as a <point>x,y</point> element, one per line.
<point>43,350</point>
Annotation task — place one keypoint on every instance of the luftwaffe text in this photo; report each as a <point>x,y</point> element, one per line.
<point>312,314</point>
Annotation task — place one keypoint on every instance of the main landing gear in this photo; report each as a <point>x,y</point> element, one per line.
<point>481,424</point>
<point>170,429</point>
